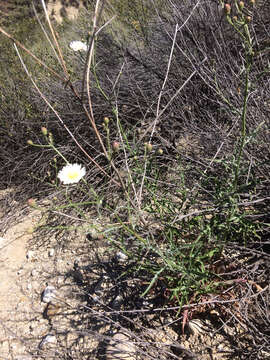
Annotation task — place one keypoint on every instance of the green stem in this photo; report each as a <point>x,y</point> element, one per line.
<point>243,131</point>
<point>58,152</point>
<point>249,55</point>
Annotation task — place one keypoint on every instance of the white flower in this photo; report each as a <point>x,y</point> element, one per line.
<point>71,173</point>
<point>77,45</point>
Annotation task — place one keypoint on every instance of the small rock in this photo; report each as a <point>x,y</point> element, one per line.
<point>95,298</point>
<point>121,348</point>
<point>51,252</point>
<point>30,254</point>
<point>48,339</point>
<point>161,337</point>
<point>2,240</point>
<point>60,280</point>
<point>52,310</point>
<point>34,272</point>
<point>197,326</point>
<point>121,257</point>
<point>29,286</point>
<point>93,234</point>
<point>116,304</point>
<point>48,294</point>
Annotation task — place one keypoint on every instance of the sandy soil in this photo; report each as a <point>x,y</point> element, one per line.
<point>13,299</point>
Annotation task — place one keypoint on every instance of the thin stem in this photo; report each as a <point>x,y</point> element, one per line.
<point>243,121</point>
<point>63,64</point>
<point>249,56</point>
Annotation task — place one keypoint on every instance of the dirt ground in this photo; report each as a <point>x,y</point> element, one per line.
<point>15,303</point>
<point>86,317</point>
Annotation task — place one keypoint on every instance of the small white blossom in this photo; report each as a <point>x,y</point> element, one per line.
<point>77,45</point>
<point>71,173</point>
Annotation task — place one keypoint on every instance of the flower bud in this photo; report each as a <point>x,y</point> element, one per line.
<point>248,19</point>
<point>241,5</point>
<point>252,2</point>
<point>31,202</point>
<point>115,146</point>
<point>50,138</point>
<point>235,18</point>
<point>106,120</point>
<point>148,147</point>
<point>30,142</point>
<point>160,151</point>
<point>227,9</point>
<point>44,131</point>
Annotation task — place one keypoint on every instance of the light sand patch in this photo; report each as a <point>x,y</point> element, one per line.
<point>58,11</point>
<point>13,256</point>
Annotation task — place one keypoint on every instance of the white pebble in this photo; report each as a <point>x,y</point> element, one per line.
<point>30,254</point>
<point>51,252</point>
<point>34,272</point>
<point>95,298</point>
<point>117,302</point>
<point>121,257</point>
<point>2,240</point>
<point>48,339</point>
<point>48,294</point>
<point>29,286</point>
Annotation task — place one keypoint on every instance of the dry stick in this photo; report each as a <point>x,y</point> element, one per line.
<point>209,210</point>
<point>46,35</point>
<point>173,97</point>
<point>221,145</point>
<point>157,112</point>
<point>177,28</point>
<point>126,157</point>
<point>86,72</point>
<point>55,39</point>
<point>87,76</point>
<point>91,114</point>
<point>59,118</point>
<point>121,137</point>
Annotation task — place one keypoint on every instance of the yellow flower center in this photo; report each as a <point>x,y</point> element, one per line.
<point>73,175</point>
